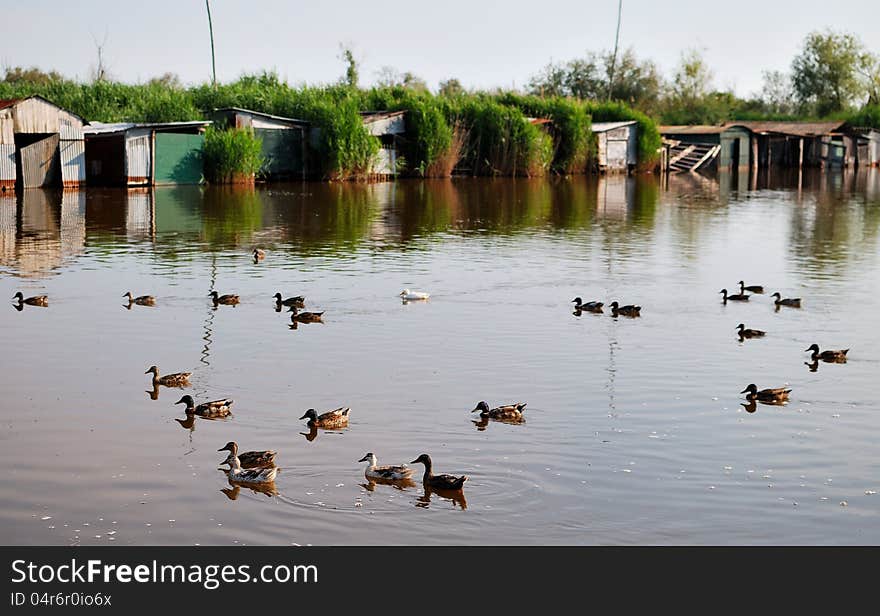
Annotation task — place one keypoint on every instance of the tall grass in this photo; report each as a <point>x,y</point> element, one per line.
<point>232,155</point>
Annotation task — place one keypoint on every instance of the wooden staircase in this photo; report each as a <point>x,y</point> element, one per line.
<point>691,156</point>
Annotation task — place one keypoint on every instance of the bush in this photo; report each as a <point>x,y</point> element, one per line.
<point>231,155</point>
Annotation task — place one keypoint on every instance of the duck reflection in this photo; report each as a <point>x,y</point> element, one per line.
<point>398,484</point>
<point>187,424</point>
<point>481,424</point>
<point>232,493</point>
<point>153,393</point>
<point>312,434</point>
<point>752,405</point>
<point>456,496</point>
<point>812,365</point>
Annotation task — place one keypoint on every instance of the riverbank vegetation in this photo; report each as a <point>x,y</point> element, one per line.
<point>545,129</point>
<point>232,155</point>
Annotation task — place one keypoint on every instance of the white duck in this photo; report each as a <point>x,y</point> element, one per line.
<point>400,471</point>
<point>407,294</point>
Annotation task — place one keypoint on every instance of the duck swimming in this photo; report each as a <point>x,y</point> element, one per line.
<point>443,482</point>
<point>777,394</point>
<point>143,300</point>
<point>259,255</point>
<point>739,297</point>
<point>337,418</point>
<point>629,310</point>
<point>215,408</point>
<point>229,299</point>
<point>829,356</point>
<point>507,412</point>
<point>36,300</point>
<point>755,288</point>
<point>305,317</point>
<point>250,459</point>
<point>793,302</point>
<point>589,306</point>
<point>250,475</point>
<point>750,333</point>
<point>178,379</point>
<point>297,300</point>
<point>372,471</point>
<point>413,295</point>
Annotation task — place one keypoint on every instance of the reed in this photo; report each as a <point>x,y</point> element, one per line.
<point>232,156</point>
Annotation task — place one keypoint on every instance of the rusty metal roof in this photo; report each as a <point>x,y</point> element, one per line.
<point>692,129</point>
<point>263,115</point>
<point>9,102</point>
<point>797,129</point>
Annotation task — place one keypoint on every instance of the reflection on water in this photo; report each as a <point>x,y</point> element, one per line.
<point>629,419</point>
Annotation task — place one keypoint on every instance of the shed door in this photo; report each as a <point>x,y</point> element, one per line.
<point>137,155</point>
<point>178,158</point>
<point>616,154</point>
<point>39,162</point>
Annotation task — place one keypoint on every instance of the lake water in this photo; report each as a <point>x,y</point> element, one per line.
<point>634,432</point>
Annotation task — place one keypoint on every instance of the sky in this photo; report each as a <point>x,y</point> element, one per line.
<point>484,44</point>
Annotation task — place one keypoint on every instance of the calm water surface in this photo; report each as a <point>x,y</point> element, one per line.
<point>635,432</point>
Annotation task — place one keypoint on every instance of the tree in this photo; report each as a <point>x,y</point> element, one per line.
<point>389,77</point>
<point>692,98</point>
<point>777,95</point>
<point>825,75</point>
<point>32,75</point>
<point>451,87</point>
<point>346,54</point>
<point>637,83</point>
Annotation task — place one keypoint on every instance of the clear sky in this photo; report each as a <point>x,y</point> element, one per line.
<point>484,44</point>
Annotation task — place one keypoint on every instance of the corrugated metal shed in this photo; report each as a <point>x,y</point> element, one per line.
<point>695,129</point>
<point>617,145</point>
<point>601,127</point>
<point>7,166</point>
<point>380,123</point>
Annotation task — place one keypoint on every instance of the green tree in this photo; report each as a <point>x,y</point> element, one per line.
<point>32,75</point>
<point>451,87</point>
<point>346,54</point>
<point>825,74</point>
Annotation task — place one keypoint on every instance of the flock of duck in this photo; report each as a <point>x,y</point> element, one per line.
<point>770,395</point>
<point>258,468</point>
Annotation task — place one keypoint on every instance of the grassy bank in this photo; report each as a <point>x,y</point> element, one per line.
<point>474,133</point>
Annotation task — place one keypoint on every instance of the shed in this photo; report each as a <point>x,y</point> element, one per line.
<point>284,140</point>
<point>733,143</point>
<point>389,127</point>
<point>867,143</point>
<point>145,154</point>
<point>796,144</point>
<point>618,145</point>
<point>41,144</point>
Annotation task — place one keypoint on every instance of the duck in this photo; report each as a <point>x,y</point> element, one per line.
<point>506,412</point>
<point>250,459</point>
<point>297,300</point>
<point>249,475</point>
<point>755,288</point>
<point>305,317</point>
<point>827,355</point>
<point>629,310</point>
<point>36,300</point>
<point>777,394</point>
<point>589,306</point>
<point>738,297</point>
<point>412,295</point>
<point>143,300</point>
<point>793,302</point>
<point>178,379</point>
<point>215,408</point>
<point>229,299</point>
<point>391,471</point>
<point>337,418</point>
<point>750,333</point>
<point>259,255</point>
<point>443,482</point>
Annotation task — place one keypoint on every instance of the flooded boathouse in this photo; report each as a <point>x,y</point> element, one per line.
<point>701,147</point>
<point>284,140</point>
<point>41,144</point>
<point>389,127</point>
<point>618,145</point>
<point>145,154</point>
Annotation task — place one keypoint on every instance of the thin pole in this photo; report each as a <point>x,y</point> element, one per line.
<point>614,56</point>
<point>211,30</point>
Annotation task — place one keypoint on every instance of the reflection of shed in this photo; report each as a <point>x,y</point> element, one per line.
<point>618,145</point>
<point>284,140</point>
<point>130,154</point>
<point>41,144</point>
<point>708,146</point>
<point>389,127</point>
<point>798,144</point>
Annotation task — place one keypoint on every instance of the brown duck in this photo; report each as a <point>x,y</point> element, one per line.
<point>506,412</point>
<point>229,299</point>
<point>250,459</point>
<point>337,418</point>
<point>305,317</point>
<point>143,300</point>
<point>794,302</point>
<point>750,333</point>
<point>777,394</point>
<point>212,409</point>
<point>178,379</point>
<point>838,357</point>
<point>630,310</point>
<point>36,300</point>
